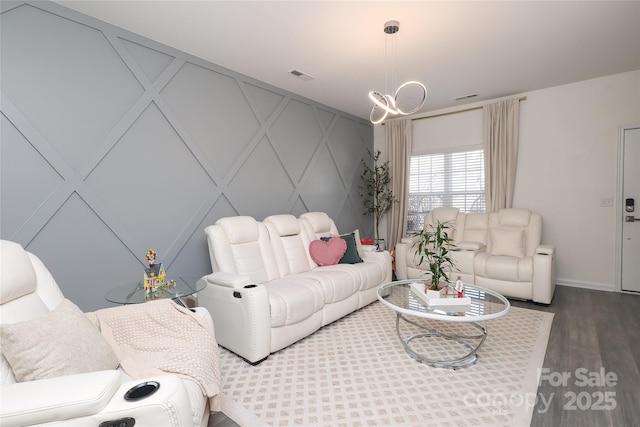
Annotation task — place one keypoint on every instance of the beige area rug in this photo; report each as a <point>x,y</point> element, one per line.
<point>355,372</point>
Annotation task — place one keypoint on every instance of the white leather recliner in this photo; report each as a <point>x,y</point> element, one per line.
<point>514,262</point>
<point>28,293</point>
<point>499,251</point>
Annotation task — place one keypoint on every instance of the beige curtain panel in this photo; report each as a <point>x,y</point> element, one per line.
<point>500,140</point>
<point>398,135</point>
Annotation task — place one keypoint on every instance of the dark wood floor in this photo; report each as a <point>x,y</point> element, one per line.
<point>593,332</point>
<point>220,420</point>
<point>595,337</point>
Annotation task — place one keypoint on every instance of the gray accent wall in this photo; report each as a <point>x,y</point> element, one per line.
<point>113,144</point>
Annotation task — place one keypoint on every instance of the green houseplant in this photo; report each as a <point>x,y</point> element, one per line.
<point>376,194</point>
<point>433,247</point>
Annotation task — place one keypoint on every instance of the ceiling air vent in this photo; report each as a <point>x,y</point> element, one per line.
<point>299,74</point>
<point>471,95</point>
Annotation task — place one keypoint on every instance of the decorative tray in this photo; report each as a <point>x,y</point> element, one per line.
<point>419,291</point>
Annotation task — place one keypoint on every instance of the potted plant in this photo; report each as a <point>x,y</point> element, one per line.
<point>376,194</point>
<point>433,247</point>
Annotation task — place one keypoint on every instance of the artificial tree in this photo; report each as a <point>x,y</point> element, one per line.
<point>375,190</point>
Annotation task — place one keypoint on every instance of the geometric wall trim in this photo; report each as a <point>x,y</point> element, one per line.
<point>113,144</point>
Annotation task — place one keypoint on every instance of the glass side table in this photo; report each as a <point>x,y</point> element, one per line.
<point>133,293</point>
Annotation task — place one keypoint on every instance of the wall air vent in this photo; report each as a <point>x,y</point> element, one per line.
<point>301,75</point>
<point>471,95</point>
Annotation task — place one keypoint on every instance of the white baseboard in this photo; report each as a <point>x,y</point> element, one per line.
<point>607,287</point>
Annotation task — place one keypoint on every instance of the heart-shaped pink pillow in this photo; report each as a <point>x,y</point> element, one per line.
<point>329,252</point>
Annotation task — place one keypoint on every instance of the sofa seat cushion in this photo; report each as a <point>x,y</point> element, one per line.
<point>367,274</point>
<point>293,299</point>
<point>336,282</point>
<point>372,271</point>
<point>505,268</point>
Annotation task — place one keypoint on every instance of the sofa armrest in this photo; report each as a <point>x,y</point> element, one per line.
<point>378,254</point>
<point>228,280</point>
<point>402,253</point>
<point>383,258</point>
<point>410,239</point>
<point>171,404</point>
<point>241,317</point>
<point>545,250</point>
<point>469,246</point>
<point>204,314</point>
<point>368,248</point>
<point>544,274</point>
<point>57,399</point>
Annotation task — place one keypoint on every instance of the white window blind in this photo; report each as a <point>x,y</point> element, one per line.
<point>445,179</point>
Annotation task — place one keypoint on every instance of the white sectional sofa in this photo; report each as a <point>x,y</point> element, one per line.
<point>499,251</point>
<point>266,292</point>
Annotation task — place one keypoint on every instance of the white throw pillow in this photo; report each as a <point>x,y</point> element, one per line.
<point>64,342</point>
<point>507,242</point>
<point>359,248</point>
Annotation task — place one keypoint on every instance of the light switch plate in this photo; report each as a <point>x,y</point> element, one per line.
<point>606,202</point>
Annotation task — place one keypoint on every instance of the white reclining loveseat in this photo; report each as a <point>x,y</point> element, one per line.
<point>266,292</point>
<point>499,251</point>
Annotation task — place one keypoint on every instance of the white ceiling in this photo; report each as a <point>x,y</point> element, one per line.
<point>494,49</point>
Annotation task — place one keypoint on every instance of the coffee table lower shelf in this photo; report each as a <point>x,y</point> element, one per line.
<point>470,342</point>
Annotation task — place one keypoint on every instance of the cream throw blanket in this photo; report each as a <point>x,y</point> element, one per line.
<point>160,337</point>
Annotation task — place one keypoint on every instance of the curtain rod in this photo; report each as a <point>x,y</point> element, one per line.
<point>523,98</point>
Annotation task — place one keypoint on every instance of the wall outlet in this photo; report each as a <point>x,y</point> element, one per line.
<point>606,202</point>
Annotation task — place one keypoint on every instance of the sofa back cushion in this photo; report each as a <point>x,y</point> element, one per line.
<point>514,217</point>
<point>290,243</point>
<point>320,224</point>
<point>514,232</point>
<point>240,229</point>
<point>240,245</point>
<point>18,275</point>
<point>475,228</point>
<point>451,216</point>
<point>28,292</point>
<point>507,242</point>
<point>444,214</point>
<point>285,225</point>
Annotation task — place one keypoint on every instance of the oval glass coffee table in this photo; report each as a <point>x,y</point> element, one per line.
<point>455,348</point>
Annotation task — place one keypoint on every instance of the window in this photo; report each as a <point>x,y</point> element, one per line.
<point>445,179</point>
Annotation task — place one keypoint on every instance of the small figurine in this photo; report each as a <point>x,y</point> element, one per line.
<point>459,287</point>
<point>154,276</point>
<point>151,257</point>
